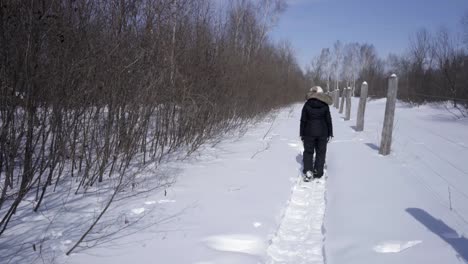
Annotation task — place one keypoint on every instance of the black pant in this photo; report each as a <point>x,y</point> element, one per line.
<point>319,146</point>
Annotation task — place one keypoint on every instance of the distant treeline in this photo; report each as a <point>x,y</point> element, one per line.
<point>434,67</point>
<point>88,85</point>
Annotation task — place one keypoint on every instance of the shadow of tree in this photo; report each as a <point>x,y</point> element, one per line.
<point>438,227</point>
<point>441,118</point>
<point>45,236</point>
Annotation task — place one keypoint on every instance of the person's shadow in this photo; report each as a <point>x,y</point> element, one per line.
<point>438,227</point>
<point>299,160</point>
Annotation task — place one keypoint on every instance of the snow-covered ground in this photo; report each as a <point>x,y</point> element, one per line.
<point>242,201</point>
<point>409,207</point>
<point>299,238</point>
<point>227,203</point>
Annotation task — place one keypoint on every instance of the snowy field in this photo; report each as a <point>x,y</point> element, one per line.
<point>409,207</point>
<point>241,201</point>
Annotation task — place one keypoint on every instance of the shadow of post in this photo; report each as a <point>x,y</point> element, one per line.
<point>373,146</point>
<point>438,227</point>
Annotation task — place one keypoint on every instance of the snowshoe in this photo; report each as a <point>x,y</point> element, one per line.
<point>308,176</point>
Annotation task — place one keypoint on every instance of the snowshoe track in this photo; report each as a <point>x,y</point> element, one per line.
<point>299,239</point>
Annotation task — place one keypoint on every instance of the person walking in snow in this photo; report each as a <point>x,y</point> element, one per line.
<point>316,130</point>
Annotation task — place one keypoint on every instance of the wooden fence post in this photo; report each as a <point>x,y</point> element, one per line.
<point>343,95</point>
<point>385,145</point>
<point>348,104</point>
<point>337,99</point>
<point>333,96</point>
<point>362,107</point>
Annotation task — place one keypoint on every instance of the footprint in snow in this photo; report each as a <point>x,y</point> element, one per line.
<point>395,246</point>
<point>163,201</point>
<point>166,201</point>
<point>138,211</point>
<point>296,146</point>
<point>238,243</point>
<point>233,188</point>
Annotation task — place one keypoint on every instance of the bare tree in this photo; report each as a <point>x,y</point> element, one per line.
<point>319,70</point>
<point>464,25</point>
<point>270,11</point>
<point>89,88</point>
<point>432,69</point>
<point>450,61</point>
<point>421,49</point>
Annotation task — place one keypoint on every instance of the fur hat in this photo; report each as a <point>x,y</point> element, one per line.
<point>316,89</point>
<point>317,93</point>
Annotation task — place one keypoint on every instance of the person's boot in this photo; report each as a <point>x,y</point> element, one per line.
<point>309,175</point>
<point>316,175</point>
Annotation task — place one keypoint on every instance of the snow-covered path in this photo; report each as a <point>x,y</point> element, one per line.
<point>299,239</point>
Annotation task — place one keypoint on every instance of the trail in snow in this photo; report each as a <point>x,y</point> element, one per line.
<point>299,239</point>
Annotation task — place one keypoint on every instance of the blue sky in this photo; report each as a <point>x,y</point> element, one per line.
<point>310,25</point>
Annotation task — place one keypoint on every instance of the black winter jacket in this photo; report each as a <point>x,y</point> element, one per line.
<point>316,119</point>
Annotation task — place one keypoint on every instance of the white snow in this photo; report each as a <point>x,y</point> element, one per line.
<point>163,201</point>
<point>395,246</point>
<point>138,211</point>
<point>241,201</point>
<point>247,244</point>
<point>400,197</point>
<point>299,238</point>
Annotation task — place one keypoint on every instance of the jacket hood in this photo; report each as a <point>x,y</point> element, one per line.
<point>315,103</point>
<point>321,97</point>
